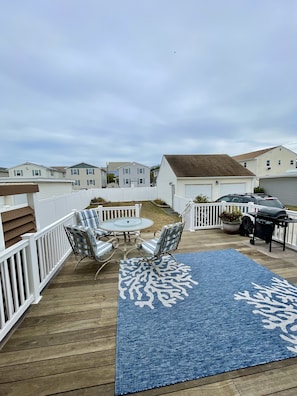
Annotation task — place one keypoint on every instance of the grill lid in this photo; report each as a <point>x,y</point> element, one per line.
<point>272,213</point>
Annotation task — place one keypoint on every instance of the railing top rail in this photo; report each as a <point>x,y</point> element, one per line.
<point>17,247</point>
<point>52,226</point>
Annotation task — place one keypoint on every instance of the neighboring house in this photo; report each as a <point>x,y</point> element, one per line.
<point>284,187</point>
<point>210,175</point>
<point>29,170</point>
<point>112,168</point>
<point>4,172</point>
<point>133,174</point>
<point>269,162</point>
<point>86,176</point>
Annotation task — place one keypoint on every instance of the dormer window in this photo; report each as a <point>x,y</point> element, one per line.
<point>18,172</point>
<point>36,172</point>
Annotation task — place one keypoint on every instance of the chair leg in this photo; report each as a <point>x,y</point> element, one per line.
<point>79,261</point>
<point>151,262</point>
<point>102,266</point>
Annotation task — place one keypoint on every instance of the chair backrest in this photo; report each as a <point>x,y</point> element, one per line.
<point>88,218</point>
<point>82,240</point>
<point>169,238</point>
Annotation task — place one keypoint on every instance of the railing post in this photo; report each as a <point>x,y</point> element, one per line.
<point>137,209</point>
<point>100,212</point>
<point>33,272</point>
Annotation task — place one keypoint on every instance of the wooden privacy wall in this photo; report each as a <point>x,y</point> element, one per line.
<point>17,222</point>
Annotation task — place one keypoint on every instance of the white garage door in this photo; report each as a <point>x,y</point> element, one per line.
<point>232,188</point>
<point>192,190</point>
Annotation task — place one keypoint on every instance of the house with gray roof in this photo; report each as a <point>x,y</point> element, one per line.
<point>211,175</point>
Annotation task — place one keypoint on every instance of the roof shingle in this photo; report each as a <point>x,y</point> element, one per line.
<point>207,165</point>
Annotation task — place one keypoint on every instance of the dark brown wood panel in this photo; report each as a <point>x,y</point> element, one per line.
<point>16,223</point>
<point>18,188</point>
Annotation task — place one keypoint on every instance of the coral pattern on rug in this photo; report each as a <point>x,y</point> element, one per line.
<point>141,282</point>
<point>278,305</point>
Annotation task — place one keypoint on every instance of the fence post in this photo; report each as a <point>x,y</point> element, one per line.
<point>33,271</point>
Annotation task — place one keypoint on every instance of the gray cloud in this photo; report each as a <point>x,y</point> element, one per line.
<point>99,81</point>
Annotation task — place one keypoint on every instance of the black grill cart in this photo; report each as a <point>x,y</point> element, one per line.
<point>266,219</point>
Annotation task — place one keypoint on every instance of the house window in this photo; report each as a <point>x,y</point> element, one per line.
<point>141,181</point>
<point>126,171</point>
<point>268,163</point>
<point>279,162</point>
<point>244,164</point>
<point>77,182</point>
<point>126,181</point>
<point>90,171</point>
<point>292,162</point>
<point>36,172</point>
<point>75,171</point>
<point>18,172</point>
<point>140,170</point>
<point>91,182</point>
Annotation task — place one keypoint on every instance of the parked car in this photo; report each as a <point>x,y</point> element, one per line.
<point>248,221</point>
<point>257,199</point>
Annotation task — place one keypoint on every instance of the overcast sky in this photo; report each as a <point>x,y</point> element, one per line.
<point>130,80</point>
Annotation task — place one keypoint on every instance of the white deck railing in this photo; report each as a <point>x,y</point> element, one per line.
<point>28,266</point>
<point>206,216</point>
<point>114,212</point>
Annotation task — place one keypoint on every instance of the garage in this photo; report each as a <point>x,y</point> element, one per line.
<point>232,188</point>
<point>192,190</point>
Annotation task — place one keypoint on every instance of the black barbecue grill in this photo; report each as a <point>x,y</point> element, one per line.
<point>266,219</point>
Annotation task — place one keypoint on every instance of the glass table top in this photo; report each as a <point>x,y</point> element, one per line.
<point>126,224</point>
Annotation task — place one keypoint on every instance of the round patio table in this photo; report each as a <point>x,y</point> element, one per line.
<point>125,225</point>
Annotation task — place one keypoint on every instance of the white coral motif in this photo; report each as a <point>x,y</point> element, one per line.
<point>278,305</point>
<point>142,283</point>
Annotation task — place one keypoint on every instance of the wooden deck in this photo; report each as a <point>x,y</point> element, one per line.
<point>65,345</point>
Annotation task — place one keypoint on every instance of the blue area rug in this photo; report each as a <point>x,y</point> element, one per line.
<point>217,311</point>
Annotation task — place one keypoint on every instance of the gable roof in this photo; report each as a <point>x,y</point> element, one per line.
<point>114,166</point>
<point>207,165</point>
<point>133,164</point>
<point>83,165</point>
<point>253,154</point>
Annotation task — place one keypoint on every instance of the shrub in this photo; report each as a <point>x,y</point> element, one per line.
<point>97,200</point>
<point>232,217</point>
<point>201,199</point>
<point>259,190</point>
<point>159,201</point>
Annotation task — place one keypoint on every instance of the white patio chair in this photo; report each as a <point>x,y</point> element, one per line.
<point>163,245</point>
<point>89,218</point>
<point>84,244</point>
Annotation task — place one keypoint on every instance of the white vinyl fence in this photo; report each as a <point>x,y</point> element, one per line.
<point>51,209</point>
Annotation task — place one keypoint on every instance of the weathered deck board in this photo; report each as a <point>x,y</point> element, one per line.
<point>65,345</point>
